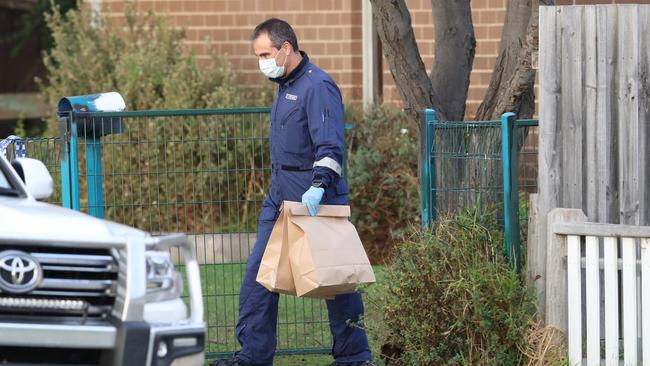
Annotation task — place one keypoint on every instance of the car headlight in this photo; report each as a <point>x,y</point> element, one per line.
<point>163,282</point>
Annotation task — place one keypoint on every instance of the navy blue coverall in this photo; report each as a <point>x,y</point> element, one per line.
<point>306,144</point>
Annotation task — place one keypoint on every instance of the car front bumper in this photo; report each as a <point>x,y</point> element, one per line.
<point>120,343</point>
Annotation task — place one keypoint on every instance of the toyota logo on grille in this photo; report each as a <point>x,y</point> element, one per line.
<point>19,272</point>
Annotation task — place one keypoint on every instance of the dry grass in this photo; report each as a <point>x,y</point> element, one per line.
<point>545,346</point>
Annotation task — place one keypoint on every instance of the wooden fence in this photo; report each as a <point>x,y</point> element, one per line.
<point>594,126</point>
<point>593,267</point>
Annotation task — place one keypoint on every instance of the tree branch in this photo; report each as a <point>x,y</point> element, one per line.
<point>512,85</point>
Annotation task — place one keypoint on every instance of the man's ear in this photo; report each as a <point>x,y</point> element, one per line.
<point>290,49</point>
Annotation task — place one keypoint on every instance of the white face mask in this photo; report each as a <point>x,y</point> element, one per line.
<point>270,68</point>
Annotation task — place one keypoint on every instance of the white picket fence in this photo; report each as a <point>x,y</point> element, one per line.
<point>606,278</point>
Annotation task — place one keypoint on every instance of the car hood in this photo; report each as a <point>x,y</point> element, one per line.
<point>27,217</point>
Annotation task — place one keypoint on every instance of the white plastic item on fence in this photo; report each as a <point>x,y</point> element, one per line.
<point>574,315</point>
<point>592,284</point>
<point>611,301</point>
<point>629,302</point>
<point>20,146</point>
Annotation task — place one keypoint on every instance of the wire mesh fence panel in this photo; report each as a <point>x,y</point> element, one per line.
<point>204,173</point>
<point>467,157</point>
<point>47,150</point>
<point>527,145</point>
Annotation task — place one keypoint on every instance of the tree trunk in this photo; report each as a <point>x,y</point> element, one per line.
<point>446,89</point>
<point>510,90</point>
<point>512,85</point>
<point>450,76</point>
<point>393,23</point>
<point>455,48</point>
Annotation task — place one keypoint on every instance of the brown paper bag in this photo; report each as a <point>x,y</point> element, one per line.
<point>325,252</point>
<point>275,270</point>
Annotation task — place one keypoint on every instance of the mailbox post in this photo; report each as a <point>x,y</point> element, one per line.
<point>80,118</point>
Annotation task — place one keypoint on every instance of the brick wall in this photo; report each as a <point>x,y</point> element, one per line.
<point>330,31</point>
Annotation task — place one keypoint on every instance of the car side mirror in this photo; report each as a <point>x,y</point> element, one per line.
<point>35,175</point>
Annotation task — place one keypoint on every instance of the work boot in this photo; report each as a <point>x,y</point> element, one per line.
<point>231,362</point>
<point>360,363</point>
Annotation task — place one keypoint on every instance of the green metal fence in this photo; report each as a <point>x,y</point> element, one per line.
<point>201,172</point>
<point>463,165</point>
<point>47,150</point>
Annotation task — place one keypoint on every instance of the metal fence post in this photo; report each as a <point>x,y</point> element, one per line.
<point>509,150</point>
<point>427,168</point>
<point>74,166</point>
<point>66,200</point>
<point>431,120</point>
<point>94,175</point>
<point>69,162</point>
<point>77,108</point>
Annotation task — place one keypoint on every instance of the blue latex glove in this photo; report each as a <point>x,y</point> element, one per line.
<point>312,199</point>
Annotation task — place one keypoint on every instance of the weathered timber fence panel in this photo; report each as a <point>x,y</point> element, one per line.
<point>594,127</point>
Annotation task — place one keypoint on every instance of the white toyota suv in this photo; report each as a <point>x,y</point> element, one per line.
<point>77,290</point>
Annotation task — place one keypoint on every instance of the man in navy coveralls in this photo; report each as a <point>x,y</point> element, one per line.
<point>307,145</point>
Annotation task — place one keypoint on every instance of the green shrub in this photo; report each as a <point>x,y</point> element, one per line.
<point>383,177</point>
<point>144,59</point>
<point>450,298</point>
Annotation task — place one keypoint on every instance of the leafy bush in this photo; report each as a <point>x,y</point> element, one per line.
<point>161,174</point>
<point>144,60</point>
<point>383,177</point>
<point>451,299</point>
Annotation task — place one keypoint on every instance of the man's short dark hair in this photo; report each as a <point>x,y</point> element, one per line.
<point>279,32</point>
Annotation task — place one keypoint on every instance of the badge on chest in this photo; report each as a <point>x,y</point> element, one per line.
<point>290,96</point>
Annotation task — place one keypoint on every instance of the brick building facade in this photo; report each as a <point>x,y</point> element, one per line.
<point>329,31</point>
